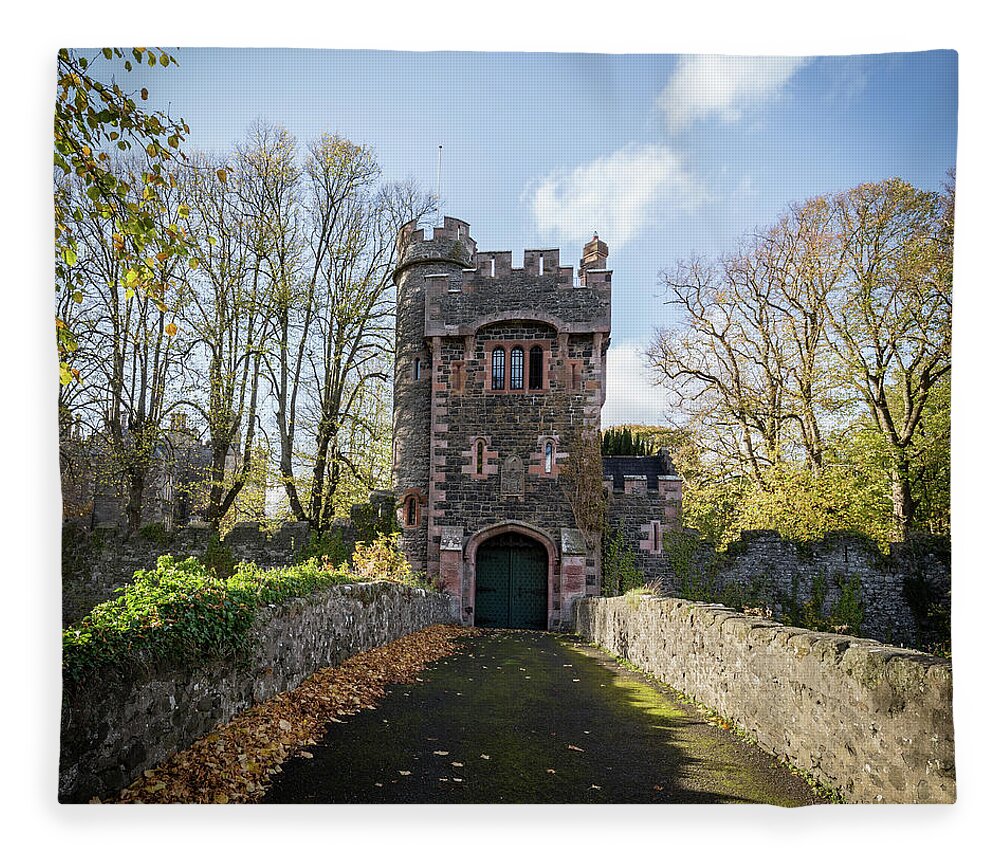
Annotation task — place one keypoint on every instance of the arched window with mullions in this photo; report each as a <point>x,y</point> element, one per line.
<point>517,369</point>
<point>498,368</point>
<point>535,368</point>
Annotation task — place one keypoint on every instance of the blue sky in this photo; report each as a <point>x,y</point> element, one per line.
<point>663,155</point>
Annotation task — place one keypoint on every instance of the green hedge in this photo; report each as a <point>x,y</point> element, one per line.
<point>180,614</point>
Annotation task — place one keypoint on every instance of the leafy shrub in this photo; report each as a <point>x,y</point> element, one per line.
<point>372,519</point>
<point>218,558</point>
<point>930,613</point>
<point>180,614</point>
<point>383,559</point>
<point>155,533</point>
<point>175,612</point>
<point>328,546</point>
<point>618,571</point>
<point>845,616</point>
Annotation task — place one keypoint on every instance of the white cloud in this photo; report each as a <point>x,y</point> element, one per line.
<point>614,194</point>
<point>632,396</point>
<point>724,87</point>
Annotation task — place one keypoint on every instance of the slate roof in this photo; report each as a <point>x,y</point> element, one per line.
<point>616,468</point>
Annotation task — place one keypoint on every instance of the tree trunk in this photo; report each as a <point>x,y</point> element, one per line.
<point>316,496</point>
<point>133,510</point>
<point>218,475</point>
<point>903,504</point>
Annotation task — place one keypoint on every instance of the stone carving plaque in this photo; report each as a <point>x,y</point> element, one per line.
<point>452,538</point>
<point>512,477</point>
<point>573,542</point>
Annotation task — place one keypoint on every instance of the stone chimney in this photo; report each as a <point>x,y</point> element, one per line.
<point>595,255</point>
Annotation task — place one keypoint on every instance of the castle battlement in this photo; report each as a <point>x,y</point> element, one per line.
<point>459,302</point>
<point>451,243</point>
<point>465,288</point>
<point>448,243</point>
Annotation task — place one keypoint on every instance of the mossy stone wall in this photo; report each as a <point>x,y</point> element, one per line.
<point>874,722</point>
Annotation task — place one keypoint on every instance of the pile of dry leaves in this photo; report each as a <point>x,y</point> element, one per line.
<point>235,763</point>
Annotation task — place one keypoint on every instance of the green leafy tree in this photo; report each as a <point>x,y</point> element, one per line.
<point>811,371</point>
<point>95,119</point>
<point>620,441</point>
<point>890,314</point>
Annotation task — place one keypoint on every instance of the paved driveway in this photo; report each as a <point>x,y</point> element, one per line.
<point>524,717</point>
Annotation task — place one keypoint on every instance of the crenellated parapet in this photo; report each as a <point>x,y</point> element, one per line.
<point>449,243</point>
<point>491,290</point>
<point>472,288</point>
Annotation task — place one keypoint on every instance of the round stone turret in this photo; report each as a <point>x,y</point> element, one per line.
<point>449,244</point>
<point>447,250</point>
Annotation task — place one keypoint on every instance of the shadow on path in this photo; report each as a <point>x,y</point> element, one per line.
<point>525,717</point>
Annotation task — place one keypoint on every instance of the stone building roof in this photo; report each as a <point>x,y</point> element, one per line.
<point>616,468</point>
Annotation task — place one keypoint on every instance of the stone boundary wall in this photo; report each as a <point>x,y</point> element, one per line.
<point>114,728</point>
<point>874,721</point>
<point>764,570</point>
<point>97,562</point>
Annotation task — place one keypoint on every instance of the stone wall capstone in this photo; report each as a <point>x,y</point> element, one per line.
<point>875,722</point>
<point>113,727</point>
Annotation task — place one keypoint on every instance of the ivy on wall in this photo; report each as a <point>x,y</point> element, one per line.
<point>618,571</point>
<point>582,477</point>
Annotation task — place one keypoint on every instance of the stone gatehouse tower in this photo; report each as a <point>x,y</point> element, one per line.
<point>496,369</point>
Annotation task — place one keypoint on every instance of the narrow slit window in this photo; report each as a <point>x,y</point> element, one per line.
<point>493,267</point>
<point>480,455</point>
<point>411,511</point>
<point>416,368</point>
<point>517,368</point>
<point>656,537</point>
<point>498,368</point>
<point>535,368</point>
<point>548,458</point>
<point>541,265</point>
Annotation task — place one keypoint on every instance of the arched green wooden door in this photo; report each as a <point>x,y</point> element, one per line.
<point>512,583</point>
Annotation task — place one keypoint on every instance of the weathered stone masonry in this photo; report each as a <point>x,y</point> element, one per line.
<point>496,369</point>
<point>873,721</point>
<point>113,728</point>
<point>644,503</point>
<point>766,570</point>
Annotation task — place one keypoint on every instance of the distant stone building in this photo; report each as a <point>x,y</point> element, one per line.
<point>644,496</point>
<point>497,370</point>
<point>93,492</point>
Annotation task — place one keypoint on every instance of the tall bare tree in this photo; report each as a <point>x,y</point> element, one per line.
<point>352,342</point>
<point>839,311</point>
<point>726,370</point>
<point>228,314</point>
<point>273,190</point>
<point>805,261</point>
<point>131,355</point>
